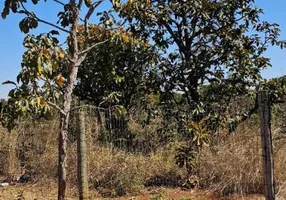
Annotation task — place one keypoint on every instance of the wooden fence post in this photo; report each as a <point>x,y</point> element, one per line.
<point>268,166</point>
<point>82,158</point>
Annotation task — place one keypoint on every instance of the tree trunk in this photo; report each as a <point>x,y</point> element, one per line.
<point>62,174</point>
<point>82,158</point>
<point>73,64</point>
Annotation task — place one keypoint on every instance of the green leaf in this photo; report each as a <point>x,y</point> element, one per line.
<point>9,82</point>
<point>35,1</point>
<point>54,32</point>
<point>88,3</point>
<point>5,12</point>
<point>39,65</point>
<point>33,23</point>
<point>120,111</point>
<point>23,26</point>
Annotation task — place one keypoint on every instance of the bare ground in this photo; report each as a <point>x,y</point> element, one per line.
<point>49,192</point>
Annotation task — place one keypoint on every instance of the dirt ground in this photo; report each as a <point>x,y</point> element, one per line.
<point>48,192</point>
<point>178,194</point>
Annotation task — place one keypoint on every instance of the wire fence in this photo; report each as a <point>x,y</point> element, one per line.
<point>144,148</point>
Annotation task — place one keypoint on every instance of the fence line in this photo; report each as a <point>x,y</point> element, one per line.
<point>119,145</point>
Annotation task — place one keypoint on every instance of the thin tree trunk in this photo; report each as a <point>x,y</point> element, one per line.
<point>62,150</point>
<point>82,158</point>
<point>62,174</point>
<point>74,63</point>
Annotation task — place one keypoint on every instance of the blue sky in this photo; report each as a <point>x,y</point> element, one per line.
<point>11,48</point>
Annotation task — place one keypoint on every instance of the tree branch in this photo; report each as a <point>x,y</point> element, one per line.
<point>51,24</point>
<point>177,41</point>
<point>79,5</point>
<point>84,106</point>
<point>246,115</point>
<point>33,15</point>
<point>91,47</point>
<point>59,2</point>
<point>186,34</point>
<point>56,107</point>
<point>86,18</point>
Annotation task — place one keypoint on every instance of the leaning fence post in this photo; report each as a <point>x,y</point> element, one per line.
<point>268,166</point>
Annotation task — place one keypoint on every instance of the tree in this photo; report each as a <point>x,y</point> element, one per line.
<point>212,52</point>
<point>39,85</point>
<point>125,65</point>
<point>220,44</point>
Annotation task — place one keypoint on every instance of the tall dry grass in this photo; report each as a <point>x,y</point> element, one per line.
<point>232,165</point>
<point>8,155</point>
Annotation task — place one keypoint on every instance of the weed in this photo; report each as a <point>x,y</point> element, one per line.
<point>157,197</point>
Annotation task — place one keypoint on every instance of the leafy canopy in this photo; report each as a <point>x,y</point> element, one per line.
<point>125,65</point>
<point>213,44</point>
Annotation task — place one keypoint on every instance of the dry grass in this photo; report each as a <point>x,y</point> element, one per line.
<point>8,156</point>
<point>231,166</point>
<point>234,165</point>
<point>47,191</point>
<point>114,172</point>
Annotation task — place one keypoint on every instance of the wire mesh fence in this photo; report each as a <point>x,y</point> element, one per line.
<point>142,148</point>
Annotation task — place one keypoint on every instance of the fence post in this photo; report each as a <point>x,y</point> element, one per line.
<point>268,166</point>
<point>82,158</point>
